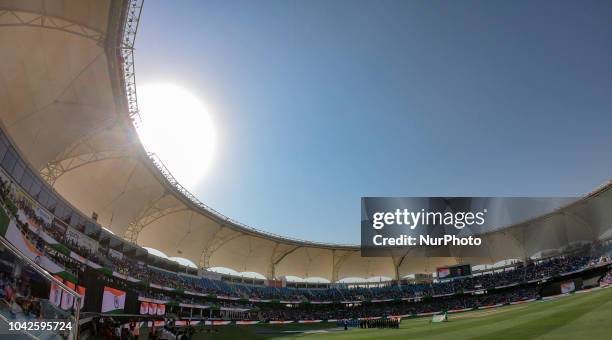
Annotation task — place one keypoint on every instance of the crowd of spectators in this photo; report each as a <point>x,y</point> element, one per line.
<point>365,310</point>
<point>16,296</point>
<point>71,265</point>
<point>446,291</point>
<point>519,273</point>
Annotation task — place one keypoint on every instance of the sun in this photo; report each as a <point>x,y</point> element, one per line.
<point>178,128</point>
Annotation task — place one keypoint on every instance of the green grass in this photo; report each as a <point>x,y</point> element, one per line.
<point>580,316</point>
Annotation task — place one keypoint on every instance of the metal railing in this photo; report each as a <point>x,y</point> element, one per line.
<point>46,275</point>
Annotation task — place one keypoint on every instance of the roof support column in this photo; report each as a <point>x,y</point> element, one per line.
<point>213,245</point>
<point>338,261</point>
<point>276,257</point>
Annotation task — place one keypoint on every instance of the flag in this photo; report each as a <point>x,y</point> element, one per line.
<point>113,300</point>
<point>443,272</point>
<point>144,307</point>
<point>55,295</point>
<point>152,308</point>
<point>67,298</point>
<point>81,291</point>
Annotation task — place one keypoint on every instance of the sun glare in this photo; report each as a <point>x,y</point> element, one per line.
<point>177,127</point>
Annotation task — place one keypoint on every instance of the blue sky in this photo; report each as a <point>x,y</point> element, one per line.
<point>318,103</point>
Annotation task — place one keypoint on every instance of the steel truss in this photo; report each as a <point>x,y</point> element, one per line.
<point>10,17</point>
<point>54,170</point>
<point>130,28</point>
<point>186,193</point>
<point>276,257</point>
<point>151,214</point>
<point>338,261</point>
<point>214,243</point>
<point>82,152</point>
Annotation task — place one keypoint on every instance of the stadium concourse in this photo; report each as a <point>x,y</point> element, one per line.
<point>69,150</point>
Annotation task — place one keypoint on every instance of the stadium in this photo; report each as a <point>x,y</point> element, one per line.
<point>82,198</point>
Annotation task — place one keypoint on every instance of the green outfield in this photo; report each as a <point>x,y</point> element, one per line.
<point>579,316</point>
